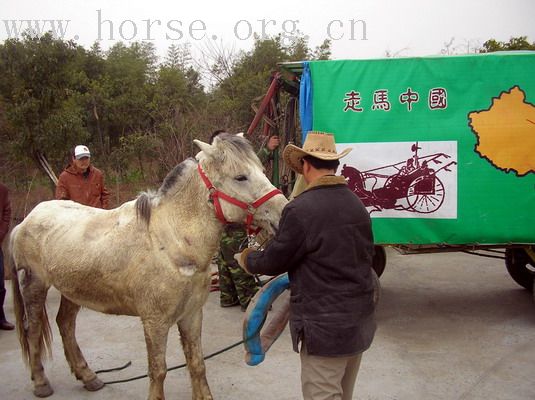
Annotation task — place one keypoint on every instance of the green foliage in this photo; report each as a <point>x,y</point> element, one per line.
<point>40,88</point>
<point>323,51</point>
<point>178,57</point>
<point>134,113</point>
<point>515,43</point>
<point>133,150</point>
<point>250,77</point>
<point>125,88</point>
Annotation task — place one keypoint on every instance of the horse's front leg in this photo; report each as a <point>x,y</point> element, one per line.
<point>156,334</point>
<point>190,336</point>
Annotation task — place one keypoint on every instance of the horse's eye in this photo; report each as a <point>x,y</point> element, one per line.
<point>241,178</point>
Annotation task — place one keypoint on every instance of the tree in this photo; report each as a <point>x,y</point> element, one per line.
<point>323,51</point>
<point>125,88</point>
<point>178,57</point>
<point>40,86</point>
<point>135,114</point>
<point>515,43</point>
<point>177,102</point>
<point>249,77</point>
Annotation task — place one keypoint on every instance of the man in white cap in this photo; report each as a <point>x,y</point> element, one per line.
<point>325,243</point>
<point>82,182</point>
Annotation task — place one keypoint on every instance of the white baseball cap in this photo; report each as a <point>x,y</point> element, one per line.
<point>81,151</point>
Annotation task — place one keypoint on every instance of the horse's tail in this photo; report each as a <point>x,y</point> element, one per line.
<point>45,337</point>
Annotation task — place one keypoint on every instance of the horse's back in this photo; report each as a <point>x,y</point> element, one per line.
<point>51,220</point>
<point>68,215</point>
<point>61,226</point>
<point>79,250</point>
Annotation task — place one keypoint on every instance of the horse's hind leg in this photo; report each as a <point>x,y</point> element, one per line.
<point>66,320</point>
<point>37,333</point>
<point>190,336</point>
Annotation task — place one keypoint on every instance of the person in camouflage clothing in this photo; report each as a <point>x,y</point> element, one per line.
<point>236,287</point>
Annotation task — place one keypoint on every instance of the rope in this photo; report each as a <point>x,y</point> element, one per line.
<point>168,369</point>
<point>102,371</point>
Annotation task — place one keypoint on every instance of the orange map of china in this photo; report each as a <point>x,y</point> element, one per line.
<point>506,132</point>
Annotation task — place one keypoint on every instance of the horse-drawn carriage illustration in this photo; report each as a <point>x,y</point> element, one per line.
<point>410,185</point>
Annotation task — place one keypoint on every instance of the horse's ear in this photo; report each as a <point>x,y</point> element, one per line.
<point>240,134</point>
<point>205,147</point>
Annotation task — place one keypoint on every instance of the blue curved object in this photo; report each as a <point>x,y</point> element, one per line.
<point>256,316</point>
<point>305,101</point>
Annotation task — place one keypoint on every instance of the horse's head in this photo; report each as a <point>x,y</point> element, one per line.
<point>233,168</point>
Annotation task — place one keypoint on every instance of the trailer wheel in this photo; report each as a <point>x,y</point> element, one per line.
<point>521,267</point>
<point>379,260</point>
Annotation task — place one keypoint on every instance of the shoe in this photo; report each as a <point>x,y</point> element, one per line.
<point>234,303</point>
<point>6,326</point>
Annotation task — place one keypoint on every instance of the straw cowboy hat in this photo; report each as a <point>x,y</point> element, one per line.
<point>317,144</point>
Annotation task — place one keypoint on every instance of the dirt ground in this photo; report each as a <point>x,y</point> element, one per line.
<point>450,326</point>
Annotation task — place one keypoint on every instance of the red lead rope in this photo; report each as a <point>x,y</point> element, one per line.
<point>215,195</point>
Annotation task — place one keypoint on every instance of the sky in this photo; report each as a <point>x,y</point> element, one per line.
<point>358,29</point>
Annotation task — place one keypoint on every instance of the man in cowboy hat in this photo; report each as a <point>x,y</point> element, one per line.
<point>325,243</point>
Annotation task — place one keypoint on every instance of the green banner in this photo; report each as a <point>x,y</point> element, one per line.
<point>443,147</point>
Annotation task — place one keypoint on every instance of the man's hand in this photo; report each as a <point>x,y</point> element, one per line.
<point>238,257</point>
<point>241,258</point>
<point>273,143</point>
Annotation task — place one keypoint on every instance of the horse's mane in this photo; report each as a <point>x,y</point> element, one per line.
<point>174,177</point>
<point>173,181</point>
<point>232,150</point>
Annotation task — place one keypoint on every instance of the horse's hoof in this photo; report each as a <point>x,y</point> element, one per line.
<point>94,385</point>
<point>43,390</point>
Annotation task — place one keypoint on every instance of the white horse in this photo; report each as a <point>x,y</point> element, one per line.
<point>148,258</point>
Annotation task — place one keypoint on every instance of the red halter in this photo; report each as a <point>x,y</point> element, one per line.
<point>215,195</point>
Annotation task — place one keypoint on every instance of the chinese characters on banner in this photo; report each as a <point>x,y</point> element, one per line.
<point>436,100</point>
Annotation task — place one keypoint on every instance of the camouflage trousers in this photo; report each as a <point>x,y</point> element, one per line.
<point>235,285</point>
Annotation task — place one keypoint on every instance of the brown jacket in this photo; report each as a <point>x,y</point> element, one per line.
<point>87,189</point>
<point>5,213</point>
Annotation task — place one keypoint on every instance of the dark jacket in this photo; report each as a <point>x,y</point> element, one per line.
<point>87,189</point>
<point>5,213</point>
<point>325,243</point>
